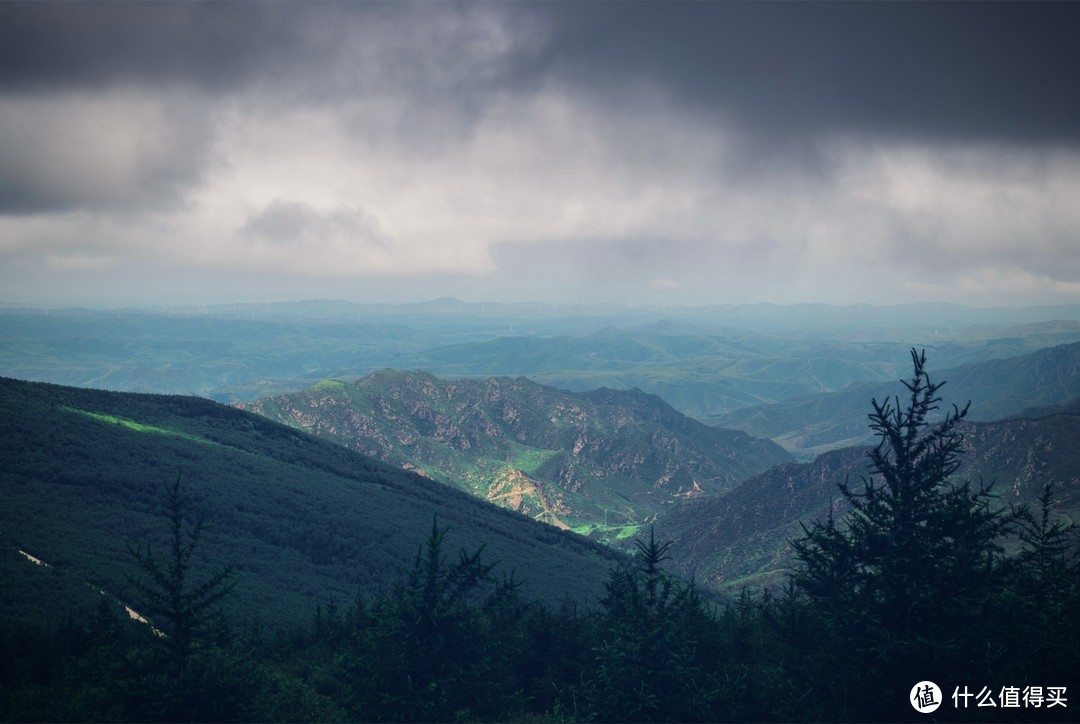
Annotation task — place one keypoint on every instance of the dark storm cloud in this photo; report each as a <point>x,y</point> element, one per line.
<point>114,152</point>
<point>925,71</point>
<point>62,63</point>
<point>322,50</point>
<point>56,46</point>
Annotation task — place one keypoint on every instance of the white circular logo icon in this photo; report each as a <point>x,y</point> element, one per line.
<point>925,697</point>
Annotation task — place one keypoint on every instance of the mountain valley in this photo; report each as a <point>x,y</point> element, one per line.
<point>601,462</point>
<point>743,538</point>
<point>997,388</point>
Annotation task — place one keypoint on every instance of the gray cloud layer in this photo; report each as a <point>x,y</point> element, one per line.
<point>675,148</point>
<point>985,71</point>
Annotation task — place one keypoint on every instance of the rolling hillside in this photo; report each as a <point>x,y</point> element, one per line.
<point>999,388</point>
<point>304,520</point>
<point>601,461</point>
<point>742,537</point>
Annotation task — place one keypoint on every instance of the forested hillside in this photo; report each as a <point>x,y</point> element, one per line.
<point>305,521</point>
<point>967,596</point>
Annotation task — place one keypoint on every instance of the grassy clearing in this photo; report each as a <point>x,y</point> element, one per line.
<point>529,459</point>
<point>138,426</point>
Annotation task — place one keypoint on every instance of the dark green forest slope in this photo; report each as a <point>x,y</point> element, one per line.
<point>600,461</point>
<point>303,519</point>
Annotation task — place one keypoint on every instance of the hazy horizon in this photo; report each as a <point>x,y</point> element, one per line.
<point>640,153</point>
<point>199,305</point>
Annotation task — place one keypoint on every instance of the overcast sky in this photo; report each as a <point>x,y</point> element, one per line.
<point>639,152</point>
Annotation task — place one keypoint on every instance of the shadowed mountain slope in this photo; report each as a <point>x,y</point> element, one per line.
<point>305,520</point>
<point>743,537</point>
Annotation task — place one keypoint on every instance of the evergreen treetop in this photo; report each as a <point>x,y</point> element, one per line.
<point>893,580</point>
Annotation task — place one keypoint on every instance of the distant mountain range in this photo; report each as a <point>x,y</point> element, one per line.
<point>706,367</point>
<point>600,461</point>
<point>742,538</point>
<point>997,388</point>
<point>306,521</point>
<point>703,361</point>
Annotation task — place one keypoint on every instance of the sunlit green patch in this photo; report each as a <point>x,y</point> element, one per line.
<point>485,469</point>
<point>608,532</point>
<point>627,531</point>
<point>139,426</point>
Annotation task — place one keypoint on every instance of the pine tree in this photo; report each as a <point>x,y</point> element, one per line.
<point>897,584</point>
<point>649,664</point>
<point>439,647</point>
<point>180,609</point>
<point>1044,591</point>
<point>1045,566</point>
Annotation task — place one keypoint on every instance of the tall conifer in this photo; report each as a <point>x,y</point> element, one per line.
<point>896,585</point>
